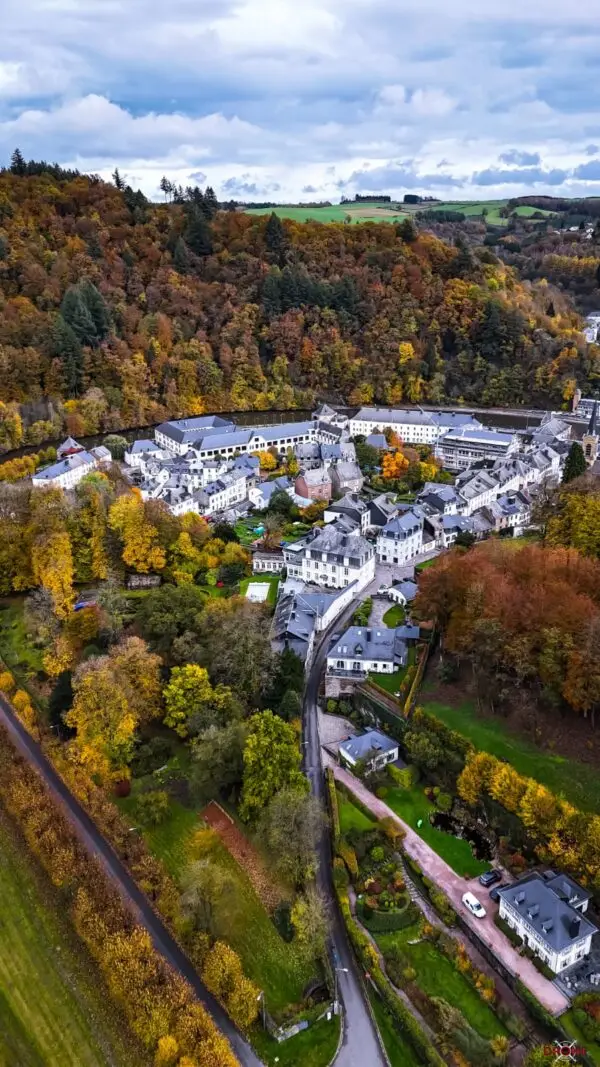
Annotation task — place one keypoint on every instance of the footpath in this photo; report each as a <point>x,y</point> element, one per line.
<point>438,871</point>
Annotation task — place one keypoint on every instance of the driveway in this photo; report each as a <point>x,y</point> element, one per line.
<point>435,868</point>
<point>381,604</point>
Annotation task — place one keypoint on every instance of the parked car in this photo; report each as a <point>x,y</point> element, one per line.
<point>472,904</point>
<point>490,877</point>
<point>495,892</point>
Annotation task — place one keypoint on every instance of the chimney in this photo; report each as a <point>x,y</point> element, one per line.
<point>574,927</point>
<point>520,898</point>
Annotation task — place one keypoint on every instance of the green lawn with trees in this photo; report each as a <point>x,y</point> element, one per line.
<point>53,1010</point>
<point>351,817</point>
<point>399,1052</point>
<point>437,976</point>
<point>412,805</point>
<point>272,580</point>
<point>577,782</point>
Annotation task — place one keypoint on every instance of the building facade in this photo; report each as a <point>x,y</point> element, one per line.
<point>400,539</point>
<point>459,449</point>
<point>67,472</point>
<point>331,558</point>
<point>548,913</point>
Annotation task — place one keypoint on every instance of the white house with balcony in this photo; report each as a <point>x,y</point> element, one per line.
<point>364,650</point>
<point>400,539</point>
<point>548,913</point>
<point>376,748</point>
<point>331,557</point>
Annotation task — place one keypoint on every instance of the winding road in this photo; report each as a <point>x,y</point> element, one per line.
<point>360,1045</point>
<point>136,900</point>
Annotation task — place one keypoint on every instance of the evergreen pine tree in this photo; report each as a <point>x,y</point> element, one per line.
<point>271,294</point>
<point>96,307</point>
<point>65,346</point>
<point>198,236</point>
<point>76,313</point>
<point>17,163</point>
<point>575,464</point>
<point>181,259</point>
<point>120,184</point>
<point>275,240</point>
<point>211,204</point>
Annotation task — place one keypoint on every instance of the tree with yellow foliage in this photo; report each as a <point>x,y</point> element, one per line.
<point>393,466</point>
<point>267,460</point>
<point>51,556</point>
<point>189,695</point>
<point>141,548</point>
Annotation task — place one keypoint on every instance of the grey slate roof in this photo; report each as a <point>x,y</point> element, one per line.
<point>376,440</point>
<point>408,589</point>
<point>365,744</point>
<point>69,463</point>
<point>402,526</point>
<point>184,430</point>
<point>369,643</point>
<point>335,543</point>
<point>542,905</point>
<point>143,445</point>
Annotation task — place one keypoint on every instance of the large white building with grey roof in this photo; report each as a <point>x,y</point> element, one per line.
<point>67,472</point>
<point>461,448</point>
<point>331,557</point>
<point>413,425</point>
<point>213,436</point>
<point>400,539</point>
<point>548,913</point>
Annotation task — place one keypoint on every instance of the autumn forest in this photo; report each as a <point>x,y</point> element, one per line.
<point>116,312</point>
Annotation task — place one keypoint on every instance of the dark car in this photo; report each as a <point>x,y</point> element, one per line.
<point>490,878</point>
<point>495,892</point>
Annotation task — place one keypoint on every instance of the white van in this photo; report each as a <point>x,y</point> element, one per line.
<point>473,905</point>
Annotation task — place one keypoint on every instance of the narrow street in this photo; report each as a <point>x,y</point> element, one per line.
<point>360,1046</point>
<point>95,843</point>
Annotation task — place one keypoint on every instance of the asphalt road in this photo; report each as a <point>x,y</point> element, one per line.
<point>96,844</point>
<point>360,1046</point>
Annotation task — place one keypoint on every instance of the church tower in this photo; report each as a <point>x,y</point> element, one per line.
<point>590,439</point>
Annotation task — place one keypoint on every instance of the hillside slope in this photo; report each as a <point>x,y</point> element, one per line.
<point>121,313</point>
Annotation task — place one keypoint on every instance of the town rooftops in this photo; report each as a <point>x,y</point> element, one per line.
<point>544,905</point>
<point>331,541</point>
<point>185,430</point>
<point>69,463</point>
<point>317,476</point>
<point>143,445</point>
<point>391,416</point>
<point>357,748</point>
<point>324,412</point>
<point>462,523</point>
<point>408,589</point>
<point>68,447</point>
<point>350,502</point>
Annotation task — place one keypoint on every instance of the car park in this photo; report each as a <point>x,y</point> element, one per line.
<point>474,906</point>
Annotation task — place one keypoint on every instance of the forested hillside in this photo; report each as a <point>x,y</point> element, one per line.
<point>120,313</point>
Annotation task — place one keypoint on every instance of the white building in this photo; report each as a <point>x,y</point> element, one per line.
<point>547,913</point>
<point>213,437</point>
<point>376,748</point>
<point>452,526</point>
<point>228,490</point>
<point>301,614</point>
<point>180,434</point>
<point>478,489</point>
<point>140,451</point>
<point>400,539</point>
<point>331,557</point>
<point>459,449</point>
<point>67,472</point>
<point>413,425</point>
<point>364,650</point>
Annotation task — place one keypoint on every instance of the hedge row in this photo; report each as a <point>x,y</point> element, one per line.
<point>333,807</point>
<point>383,922</point>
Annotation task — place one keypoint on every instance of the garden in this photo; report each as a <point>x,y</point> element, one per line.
<point>416,808</point>
<point>395,616</point>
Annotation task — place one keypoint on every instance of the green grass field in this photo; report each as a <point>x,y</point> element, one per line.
<point>53,1009</point>
<point>336,213</point>
<point>394,616</point>
<point>412,805</point>
<point>592,1047</point>
<point>438,977</point>
<point>390,682</point>
<point>400,1053</point>
<point>351,817</point>
<point>314,1047</point>
<point>577,782</point>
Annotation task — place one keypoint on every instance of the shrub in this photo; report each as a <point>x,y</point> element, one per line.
<point>340,874</point>
<point>333,806</point>
<point>403,778</point>
<point>349,857</point>
<point>392,831</point>
<point>409,974</point>
<point>383,922</point>
<point>442,906</point>
<point>152,808</point>
<point>151,755</point>
<point>282,920</point>
<point>507,930</point>
<point>444,801</point>
<point>381,792</point>
<point>586,1009</point>
<point>7,683</point>
<point>377,854</point>
<point>331,706</point>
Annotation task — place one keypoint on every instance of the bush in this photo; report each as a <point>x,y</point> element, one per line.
<point>586,1010</point>
<point>282,921</point>
<point>442,906</point>
<point>444,801</point>
<point>404,778</point>
<point>381,792</point>
<point>377,854</point>
<point>507,930</point>
<point>383,922</point>
<point>152,808</point>
<point>362,614</point>
<point>331,706</point>
<point>349,857</point>
<point>333,806</point>
<point>150,755</point>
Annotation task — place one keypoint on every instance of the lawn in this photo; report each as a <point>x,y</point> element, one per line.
<point>577,782</point>
<point>53,1010</point>
<point>425,564</point>
<point>399,1052</point>
<point>438,977</point>
<point>245,529</point>
<point>390,682</point>
<point>272,580</point>
<point>275,966</point>
<point>351,817</point>
<point>412,805</point>
<point>395,615</point>
<point>373,212</point>
<point>314,1047</point>
<point>16,646</point>
<point>592,1047</point>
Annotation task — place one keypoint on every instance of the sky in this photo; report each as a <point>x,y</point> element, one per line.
<point>300,100</point>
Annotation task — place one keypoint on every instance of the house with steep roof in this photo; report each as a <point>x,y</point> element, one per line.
<point>403,592</point>
<point>346,477</point>
<point>400,539</point>
<point>67,472</point>
<point>548,913</point>
<point>353,507</point>
<point>364,650</point>
<point>301,614</point>
<point>331,557</point>
<point>374,747</point>
<point>314,484</point>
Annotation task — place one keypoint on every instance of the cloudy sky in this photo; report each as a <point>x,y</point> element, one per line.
<point>309,99</point>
